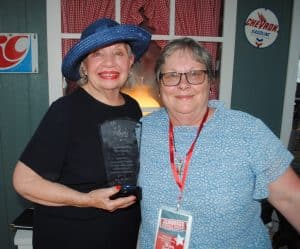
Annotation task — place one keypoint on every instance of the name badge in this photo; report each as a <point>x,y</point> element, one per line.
<point>173,229</point>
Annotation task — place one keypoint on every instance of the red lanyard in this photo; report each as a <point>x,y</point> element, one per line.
<point>181,182</point>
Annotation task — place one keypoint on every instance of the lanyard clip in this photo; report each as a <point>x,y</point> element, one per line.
<point>179,200</point>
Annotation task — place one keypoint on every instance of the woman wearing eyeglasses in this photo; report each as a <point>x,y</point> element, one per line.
<point>205,168</point>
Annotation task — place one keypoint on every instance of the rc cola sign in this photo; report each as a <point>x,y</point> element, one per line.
<point>18,53</point>
<point>261,28</point>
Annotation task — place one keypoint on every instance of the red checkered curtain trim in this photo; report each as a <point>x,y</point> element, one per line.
<point>199,18</point>
<point>193,17</point>
<point>155,13</point>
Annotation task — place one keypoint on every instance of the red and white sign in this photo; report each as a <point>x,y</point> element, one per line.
<point>18,53</point>
<point>261,28</point>
<point>173,229</point>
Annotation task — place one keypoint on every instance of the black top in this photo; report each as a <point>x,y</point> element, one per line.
<point>66,149</point>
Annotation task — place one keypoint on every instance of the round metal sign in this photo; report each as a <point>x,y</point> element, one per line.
<point>261,28</point>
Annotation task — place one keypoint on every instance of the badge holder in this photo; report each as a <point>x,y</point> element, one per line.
<point>173,229</point>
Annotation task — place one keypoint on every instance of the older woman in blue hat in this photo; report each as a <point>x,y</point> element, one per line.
<point>62,168</point>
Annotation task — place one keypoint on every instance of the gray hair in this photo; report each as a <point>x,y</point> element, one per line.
<point>198,52</point>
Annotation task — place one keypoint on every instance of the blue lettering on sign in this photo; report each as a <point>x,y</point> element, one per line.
<point>260,32</point>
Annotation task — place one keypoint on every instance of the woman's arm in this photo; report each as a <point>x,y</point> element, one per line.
<point>33,187</point>
<point>285,196</point>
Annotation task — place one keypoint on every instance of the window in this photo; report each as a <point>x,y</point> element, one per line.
<point>167,19</point>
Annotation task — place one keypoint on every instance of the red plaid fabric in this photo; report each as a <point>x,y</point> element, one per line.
<point>76,15</point>
<point>67,44</point>
<point>156,12</point>
<point>197,18</point>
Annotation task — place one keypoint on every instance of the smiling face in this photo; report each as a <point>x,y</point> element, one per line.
<point>185,101</point>
<point>107,68</point>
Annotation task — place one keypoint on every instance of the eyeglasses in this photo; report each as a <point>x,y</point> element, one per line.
<point>194,77</point>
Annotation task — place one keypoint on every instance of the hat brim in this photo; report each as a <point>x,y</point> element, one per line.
<point>136,37</point>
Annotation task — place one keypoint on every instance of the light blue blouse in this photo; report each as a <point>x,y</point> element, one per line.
<point>235,158</point>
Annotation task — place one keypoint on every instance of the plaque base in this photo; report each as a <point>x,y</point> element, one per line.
<point>127,190</point>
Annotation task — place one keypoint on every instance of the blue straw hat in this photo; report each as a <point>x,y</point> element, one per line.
<point>101,33</point>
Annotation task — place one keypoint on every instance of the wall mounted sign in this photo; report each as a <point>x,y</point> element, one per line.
<point>261,28</point>
<point>18,53</point>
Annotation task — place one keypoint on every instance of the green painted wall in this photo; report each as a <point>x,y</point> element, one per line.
<point>260,74</point>
<point>23,101</point>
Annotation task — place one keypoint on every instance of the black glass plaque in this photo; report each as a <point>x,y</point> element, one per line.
<point>119,142</point>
